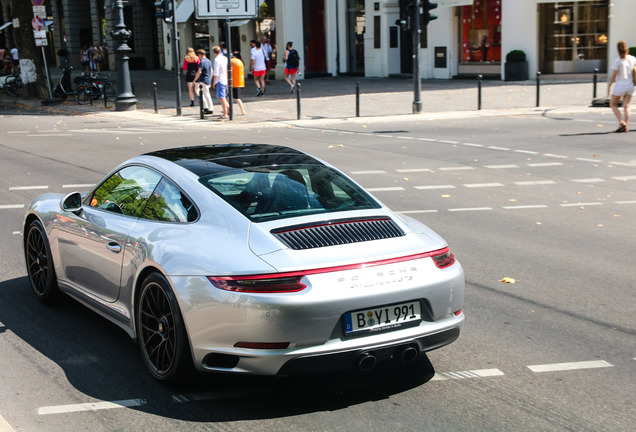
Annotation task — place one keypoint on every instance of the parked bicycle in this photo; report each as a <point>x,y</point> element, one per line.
<point>13,85</point>
<point>90,88</point>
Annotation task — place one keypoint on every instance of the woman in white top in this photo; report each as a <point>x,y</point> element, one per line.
<point>623,80</point>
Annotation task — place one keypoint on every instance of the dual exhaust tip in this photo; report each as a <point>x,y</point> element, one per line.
<point>406,354</point>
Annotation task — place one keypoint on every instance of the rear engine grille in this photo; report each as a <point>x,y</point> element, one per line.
<point>337,232</point>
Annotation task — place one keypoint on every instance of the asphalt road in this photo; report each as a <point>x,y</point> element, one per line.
<point>548,202</point>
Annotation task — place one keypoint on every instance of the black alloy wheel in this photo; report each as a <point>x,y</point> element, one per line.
<point>160,330</point>
<point>40,263</point>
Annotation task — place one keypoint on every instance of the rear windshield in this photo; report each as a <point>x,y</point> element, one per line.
<point>276,192</point>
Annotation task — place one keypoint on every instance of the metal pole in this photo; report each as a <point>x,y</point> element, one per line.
<point>201,114</point>
<point>357,98</point>
<point>298,101</point>
<point>175,52</point>
<point>479,78</point>
<point>538,87</point>
<point>417,83</point>
<point>595,82</point>
<point>125,99</point>
<point>154,96</point>
<point>230,82</point>
<point>46,70</point>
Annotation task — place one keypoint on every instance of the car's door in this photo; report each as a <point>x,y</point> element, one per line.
<point>92,245</point>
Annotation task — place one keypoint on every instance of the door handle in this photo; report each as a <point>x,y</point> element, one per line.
<point>114,247</point>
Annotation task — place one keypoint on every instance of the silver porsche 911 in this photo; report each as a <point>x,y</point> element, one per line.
<point>247,258</point>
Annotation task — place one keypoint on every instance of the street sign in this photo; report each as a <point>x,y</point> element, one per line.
<point>37,23</point>
<point>41,42</point>
<point>39,10</point>
<point>223,9</point>
<point>37,2</point>
<point>39,34</point>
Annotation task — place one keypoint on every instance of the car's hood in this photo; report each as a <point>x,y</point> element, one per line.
<point>417,238</point>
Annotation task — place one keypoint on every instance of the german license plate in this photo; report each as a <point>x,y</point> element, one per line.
<point>382,318</point>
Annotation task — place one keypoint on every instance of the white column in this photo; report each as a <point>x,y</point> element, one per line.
<point>289,27</point>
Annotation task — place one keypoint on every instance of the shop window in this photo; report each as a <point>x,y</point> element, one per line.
<point>481,32</point>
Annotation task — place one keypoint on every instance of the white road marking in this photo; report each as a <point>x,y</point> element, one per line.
<point>19,188</point>
<point>624,178</point>
<point>449,142</point>
<point>472,145</point>
<point>94,406</point>
<point>588,160</point>
<point>431,187</point>
<point>368,172</point>
<point>625,202</point>
<point>196,397</point>
<point>16,233</point>
<point>480,373</point>
<point>386,189</point>
<point>499,148</point>
<point>535,183</point>
<point>469,209</point>
<point>624,164</point>
<point>413,170</point>
<point>418,211</point>
<point>11,206</point>
<point>427,139</point>
<point>483,185</point>
<point>588,180</point>
<point>18,132</point>
<point>501,166</point>
<point>555,156</point>
<point>77,186</point>
<point>544,164</point>
<point>527,152</point>
<point>404,137</point>
<point>525,207</point>
<point>581,204</point>
<point>464,168</point>
<point>4,426</point>
<point>49,135</point>
<point>555,367</point>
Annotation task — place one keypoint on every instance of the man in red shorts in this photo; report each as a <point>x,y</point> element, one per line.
<point>258,67</point>
<point>292,61</point>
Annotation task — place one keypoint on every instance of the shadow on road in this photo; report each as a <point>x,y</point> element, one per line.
<point>101,361</point>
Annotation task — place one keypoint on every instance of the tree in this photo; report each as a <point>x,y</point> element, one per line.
<point>31,61</point>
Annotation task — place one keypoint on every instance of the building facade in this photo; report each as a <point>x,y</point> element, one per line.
<point>361,37</point>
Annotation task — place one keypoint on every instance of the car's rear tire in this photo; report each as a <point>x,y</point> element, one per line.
<point>161,332</point>
<point>39,263</point>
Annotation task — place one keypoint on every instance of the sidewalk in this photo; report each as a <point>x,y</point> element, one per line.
<point>333,98</point>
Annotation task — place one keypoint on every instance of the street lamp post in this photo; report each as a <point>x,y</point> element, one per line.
<point>125,98</point>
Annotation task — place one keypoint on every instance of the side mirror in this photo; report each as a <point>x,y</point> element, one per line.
<point>72,202</point>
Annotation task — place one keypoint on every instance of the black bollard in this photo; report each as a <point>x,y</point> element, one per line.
<point>104,96</point>
<point>479,78</point>
<point>595,82</point>
<point>154,96</point>
<point>201,114</point>
<point>538,87</point>
<point>298,101</point>
<point>357,98</point>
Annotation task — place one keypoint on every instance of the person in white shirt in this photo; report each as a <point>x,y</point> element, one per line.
<point>623,80</point>
<point>267,50</point>
<point>258,67</point>
<point>220,79</point>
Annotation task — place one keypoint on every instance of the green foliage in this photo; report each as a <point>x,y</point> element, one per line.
<point>516,56</point>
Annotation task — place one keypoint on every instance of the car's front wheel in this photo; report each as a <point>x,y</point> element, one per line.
<point>160,331</point>
<point>40,263</point>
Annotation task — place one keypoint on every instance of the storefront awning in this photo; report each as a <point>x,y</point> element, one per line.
<point>454,2</point>
<point>185,11</point>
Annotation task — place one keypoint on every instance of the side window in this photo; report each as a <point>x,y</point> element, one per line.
<point>169,204</point>
<point>127,191</point>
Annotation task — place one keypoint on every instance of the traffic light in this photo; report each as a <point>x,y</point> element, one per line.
<point>429,6</point>
<point>164,10</point>
<point>407,12</point>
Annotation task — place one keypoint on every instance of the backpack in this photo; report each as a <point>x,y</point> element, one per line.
<point>293,60</point>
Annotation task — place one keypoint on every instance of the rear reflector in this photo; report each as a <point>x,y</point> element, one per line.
<point>459,312</point>
<point>262,345</point>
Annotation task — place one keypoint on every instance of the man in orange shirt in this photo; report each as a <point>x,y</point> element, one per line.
<point>238,79</point>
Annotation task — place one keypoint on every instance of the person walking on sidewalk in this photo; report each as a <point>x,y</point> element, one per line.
<point>191,65</point>
<point>623,80</point>
<point>258,67</point>
<point>267,50</point>
<point>238,79</point>
<point>204,77</point>
<point>292,61</point>
<point>220,79</point>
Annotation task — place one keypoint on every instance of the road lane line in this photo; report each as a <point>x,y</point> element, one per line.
<point>198,397</point>
<point>418,211</point>
<point>91,406</point>
<point>449,142</point>
<point>535,183</point>
<point>555,156</point>
<point>431,187</point>
<point>555,367</point>
<point>20,188</point>
<point>16,233</point>
<point>4,426</point>
<point>49,135</point>
<point>525,207</point>
<point>588,180</point>
<point>624,164</point>
<point>624,178</point>
<point>588,160</point>
<point>465,168</point>
<point>469,209</point>
<point>581,204</point>
<point>499,148</point>
<point>501,166</point>
<point>530,152</point>
<point>11,206</point>
<point>625,202</point>
<point>413,170</point>
<point>427,139</point>
<point>368,172</point>
<point>544,164</point>
<point>480,373</point>
<point>483,185</point>
<point>472,145</point>
<point>78,186</point>
<point>386,189</point>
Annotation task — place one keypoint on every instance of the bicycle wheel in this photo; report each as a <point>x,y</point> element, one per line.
<point>84,93</point>
<point>110,91</point>
<point>14,87</point>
